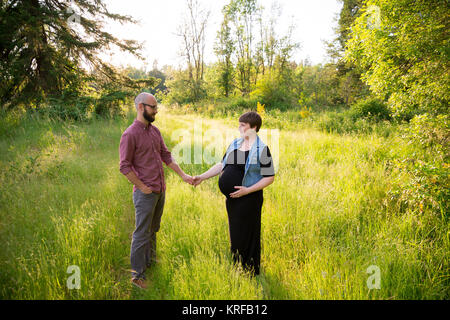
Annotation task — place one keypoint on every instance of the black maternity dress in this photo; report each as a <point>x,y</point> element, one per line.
<point>244,213</point>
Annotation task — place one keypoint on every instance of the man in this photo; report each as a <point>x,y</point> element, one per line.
<point>142,151</point>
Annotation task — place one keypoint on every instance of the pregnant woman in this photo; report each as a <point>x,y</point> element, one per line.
<point>246,169</point>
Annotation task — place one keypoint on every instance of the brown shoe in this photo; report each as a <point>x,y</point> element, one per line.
<point>140,283</point>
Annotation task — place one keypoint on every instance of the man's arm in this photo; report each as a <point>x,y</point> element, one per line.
<point>166,157</point>
<point>137,182</point>
<point>175,167</point>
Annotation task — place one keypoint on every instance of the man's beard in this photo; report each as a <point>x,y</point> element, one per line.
<point>148,117</point>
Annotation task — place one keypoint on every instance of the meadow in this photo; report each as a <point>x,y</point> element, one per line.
<point>327,219</point>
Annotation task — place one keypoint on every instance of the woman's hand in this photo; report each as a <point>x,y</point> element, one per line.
<point>242,191</point>
<point>197,180</point>
<point>261,184</point>
<point>212,172</point>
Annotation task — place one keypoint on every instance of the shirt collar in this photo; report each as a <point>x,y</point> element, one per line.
<point>141,124</point>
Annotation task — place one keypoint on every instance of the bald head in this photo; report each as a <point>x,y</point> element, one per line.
<point>146,98</point>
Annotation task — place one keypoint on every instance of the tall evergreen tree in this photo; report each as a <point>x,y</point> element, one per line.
<point>46,48</point>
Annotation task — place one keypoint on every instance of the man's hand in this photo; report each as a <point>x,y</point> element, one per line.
<point>145,189</point>
<point>131,176</point>
<point>242,191</point>
<point>188,179</point>
<point>197,180</point>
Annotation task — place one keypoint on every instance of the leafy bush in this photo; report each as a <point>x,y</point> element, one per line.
<point>428,186</point>
<point>112,104</point>
<point>273,93</point>
<point>342,122</point>
<point>241,103</point>
<point>370,108</point>
<point>77,109</point>
<point>80,108</point>
<point>10,120</point>
<point>181,89</point>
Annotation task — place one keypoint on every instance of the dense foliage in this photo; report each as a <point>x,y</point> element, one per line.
<point>49,57</point>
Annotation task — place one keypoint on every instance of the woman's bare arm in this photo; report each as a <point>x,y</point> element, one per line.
<point>212,172</point>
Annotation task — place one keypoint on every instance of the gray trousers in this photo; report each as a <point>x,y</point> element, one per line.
<point>148,212</point>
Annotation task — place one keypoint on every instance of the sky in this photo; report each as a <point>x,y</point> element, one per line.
<point>158,21</point>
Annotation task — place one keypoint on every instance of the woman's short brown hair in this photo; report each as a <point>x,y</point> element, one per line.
<point>252,118</point>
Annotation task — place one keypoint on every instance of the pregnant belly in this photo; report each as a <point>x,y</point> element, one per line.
<point>231,176</point>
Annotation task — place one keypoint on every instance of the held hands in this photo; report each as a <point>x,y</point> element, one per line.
<point>194,181</point>
<point>197,180</point>
<point>188,179</point>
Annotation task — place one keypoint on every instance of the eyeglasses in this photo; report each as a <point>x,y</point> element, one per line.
<point>153,107</point>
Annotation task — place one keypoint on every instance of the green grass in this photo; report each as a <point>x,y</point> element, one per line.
<point>326,219</point>
<point>339,119</point>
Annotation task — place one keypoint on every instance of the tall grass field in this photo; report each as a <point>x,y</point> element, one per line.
<point>329,228</point>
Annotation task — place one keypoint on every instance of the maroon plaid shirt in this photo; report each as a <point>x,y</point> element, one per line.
<point>142,150</point>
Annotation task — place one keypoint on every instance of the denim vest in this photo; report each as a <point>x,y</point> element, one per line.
<point>253,165</point>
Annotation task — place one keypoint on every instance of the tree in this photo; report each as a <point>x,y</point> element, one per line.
<point>139,74</point>
<point>269,37</point>
<point>47,46</point>
<point>192,30</point>
<point>349,85</point>
<point>284,51</point>
<point>224,50</point>
<point>403,46</point>
<point>243,13</point>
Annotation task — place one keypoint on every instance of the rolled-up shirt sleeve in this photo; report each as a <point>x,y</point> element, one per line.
<point>126,152</point>
<point>166,156</point>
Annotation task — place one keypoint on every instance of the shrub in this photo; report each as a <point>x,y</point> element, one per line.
<point>428,185</point>
<point>242,103</point>
<point>77,109</point>
<point>112,104</point>
<point>273,93</point>
<point>10,120</point>
<point>370,108</point>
